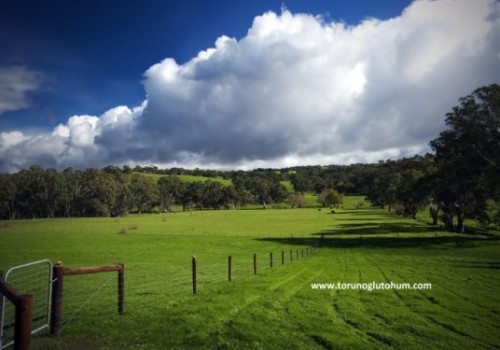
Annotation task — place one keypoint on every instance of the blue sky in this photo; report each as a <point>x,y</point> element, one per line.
<point>92,53</point>
<point>83,59</point>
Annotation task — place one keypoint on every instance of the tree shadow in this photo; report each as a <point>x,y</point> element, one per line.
<point>373,230</point>
<point>376,227</point>
<point>446,242</point>
<point>359,212</point>
<point>479,264</point>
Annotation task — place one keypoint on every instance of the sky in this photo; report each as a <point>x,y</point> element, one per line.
<point>235,84</point>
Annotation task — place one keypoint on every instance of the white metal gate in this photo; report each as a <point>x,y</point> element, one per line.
<point>34,278</point>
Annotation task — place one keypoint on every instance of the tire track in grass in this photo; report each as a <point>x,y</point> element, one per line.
<point>290,292</point>
<point>429,319</point>
<point>462,298</point>
<point>378,339</point>
<point>451,291</point>
<point>434,303</point>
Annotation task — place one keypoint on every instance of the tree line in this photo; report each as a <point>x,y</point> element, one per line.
<point>37,192</point>
<point>459,181</point>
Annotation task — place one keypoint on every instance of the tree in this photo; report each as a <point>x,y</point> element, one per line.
<point>301,182</point>
<point>386,180</point>
<point>213,195</point>
<point>468,157</point>
<point>52,187</point>
<point>231,197</point>
<point>144,192</point>
<point>169,188</point>
<point>98,193</point>
<point>297,200</point>
<point>330,197</point>
<point>8,190</point>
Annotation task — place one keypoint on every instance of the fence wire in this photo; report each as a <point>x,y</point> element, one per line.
<point>89,299</point>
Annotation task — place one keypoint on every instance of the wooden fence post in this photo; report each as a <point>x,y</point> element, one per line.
<point>291,255</point>
<point>57,298</point>
<point>282,257</point>
<point>1,304</point>
<point>193,263</point>
<point>121,288</point>
<point>254,263</point>
<point>24,315</point>
<point>229,261</point>
<point>271,260</point>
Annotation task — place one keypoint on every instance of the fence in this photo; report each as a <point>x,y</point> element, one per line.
<point>23,315</point>
<point>32,279</point>
<point>230,266</point>
<point>57,289</point>
<point>202,274</point>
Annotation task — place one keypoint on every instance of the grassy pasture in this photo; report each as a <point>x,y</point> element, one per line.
<point>277,308</point>
<point>190,178</point>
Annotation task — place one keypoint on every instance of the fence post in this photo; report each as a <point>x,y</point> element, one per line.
<point>193,263</point>
<point>291,255</point>
<point>22,332</point>
<point>282,257</point>
<point>57,298</point>
<point>254,263</point>
<point>229,261</point>
<point>121,288</point>
<point>271,260</point>
<point>1,304</point>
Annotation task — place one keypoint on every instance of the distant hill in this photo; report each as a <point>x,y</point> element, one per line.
<point>189,178</point>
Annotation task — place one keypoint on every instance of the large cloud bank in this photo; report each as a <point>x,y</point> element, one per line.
<point>296,89</point>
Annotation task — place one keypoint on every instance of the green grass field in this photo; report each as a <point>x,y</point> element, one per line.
<point>190,178</point>
<point>277,308</point>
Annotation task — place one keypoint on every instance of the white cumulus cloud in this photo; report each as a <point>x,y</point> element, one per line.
<point>297,89</point>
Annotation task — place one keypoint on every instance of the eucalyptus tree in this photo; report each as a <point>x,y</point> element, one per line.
<point>169,188</point>
<point>468,157</point>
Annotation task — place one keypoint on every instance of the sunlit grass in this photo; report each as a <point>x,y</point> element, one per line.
<point>277,308</point>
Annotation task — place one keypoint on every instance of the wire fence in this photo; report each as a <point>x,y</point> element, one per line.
<point>90,299</point>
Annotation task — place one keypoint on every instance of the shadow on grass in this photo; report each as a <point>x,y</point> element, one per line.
<point>376,227</point>
<point>446,242</point>
<point>480,264</point>
<point>374,230</point>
